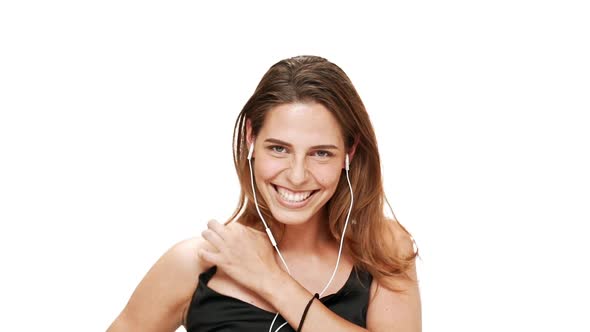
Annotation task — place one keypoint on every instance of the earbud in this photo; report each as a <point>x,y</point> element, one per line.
<point>251,151</point>
<point>347,163</point>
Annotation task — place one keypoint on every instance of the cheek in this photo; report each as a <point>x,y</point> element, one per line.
<point>267,168</point>
<point>327,176</point>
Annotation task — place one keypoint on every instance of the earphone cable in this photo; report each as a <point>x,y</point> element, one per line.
<point>272,240</point>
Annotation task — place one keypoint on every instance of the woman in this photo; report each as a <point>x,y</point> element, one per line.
<point>307,159</point>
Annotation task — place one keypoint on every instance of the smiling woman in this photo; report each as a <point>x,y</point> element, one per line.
<point>306,156</point>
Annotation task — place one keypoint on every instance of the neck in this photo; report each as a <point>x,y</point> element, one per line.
<point>307,239</point>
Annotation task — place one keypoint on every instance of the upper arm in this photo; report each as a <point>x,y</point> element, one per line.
<point>396,311</point>
<point>162,297</point>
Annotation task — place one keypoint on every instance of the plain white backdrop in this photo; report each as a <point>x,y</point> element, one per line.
<point>116,123</point>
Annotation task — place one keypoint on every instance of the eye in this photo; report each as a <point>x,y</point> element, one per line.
<point>277,148</point>
<point>323,153</point>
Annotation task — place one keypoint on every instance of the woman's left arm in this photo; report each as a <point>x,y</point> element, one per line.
<point>290,299</point>
<point>388,311</point>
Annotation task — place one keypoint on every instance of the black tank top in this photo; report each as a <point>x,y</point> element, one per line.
<point>212,311</point>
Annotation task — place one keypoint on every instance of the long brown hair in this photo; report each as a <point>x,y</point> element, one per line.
<point>370,240</point>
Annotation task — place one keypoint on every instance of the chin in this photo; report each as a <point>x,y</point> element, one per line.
<point>291,218</point>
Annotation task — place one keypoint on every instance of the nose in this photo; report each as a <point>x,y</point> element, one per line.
<point>297,174</point>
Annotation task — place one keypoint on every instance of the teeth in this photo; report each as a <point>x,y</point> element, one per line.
<point>291,196</point>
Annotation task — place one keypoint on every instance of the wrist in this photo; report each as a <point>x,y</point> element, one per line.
<point>274,286</point>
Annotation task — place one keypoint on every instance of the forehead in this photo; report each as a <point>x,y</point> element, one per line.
<point>307,123</point>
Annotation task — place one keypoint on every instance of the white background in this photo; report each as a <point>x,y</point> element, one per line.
<point>116,123</point>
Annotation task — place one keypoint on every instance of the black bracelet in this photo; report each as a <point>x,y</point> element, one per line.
<point>316,296</point>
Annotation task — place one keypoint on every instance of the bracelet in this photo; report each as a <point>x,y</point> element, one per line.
<point>316,296</point>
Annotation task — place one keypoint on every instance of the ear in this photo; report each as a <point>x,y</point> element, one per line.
<point>353,147</point>
<point>249,137</point>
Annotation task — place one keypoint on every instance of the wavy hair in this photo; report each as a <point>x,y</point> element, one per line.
<point>374,245</point>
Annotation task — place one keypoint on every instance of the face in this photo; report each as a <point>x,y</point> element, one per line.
<point>298,159</point>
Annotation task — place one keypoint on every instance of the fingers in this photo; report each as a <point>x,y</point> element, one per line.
<point>213,234</point>
<point>213,238</point>
<point>210,257</point>
<point>216,227</point>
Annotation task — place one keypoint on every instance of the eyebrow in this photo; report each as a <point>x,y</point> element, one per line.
<point>323,146</point>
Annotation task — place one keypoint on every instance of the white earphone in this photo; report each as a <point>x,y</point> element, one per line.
<point>347,163</point>
<point>272,239</point>
<point>251,151</point>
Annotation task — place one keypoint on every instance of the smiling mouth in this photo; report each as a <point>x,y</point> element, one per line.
<point>293,197</point>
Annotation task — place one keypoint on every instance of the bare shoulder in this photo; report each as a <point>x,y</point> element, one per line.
<point>396,311</point>
<point>160,300</point>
